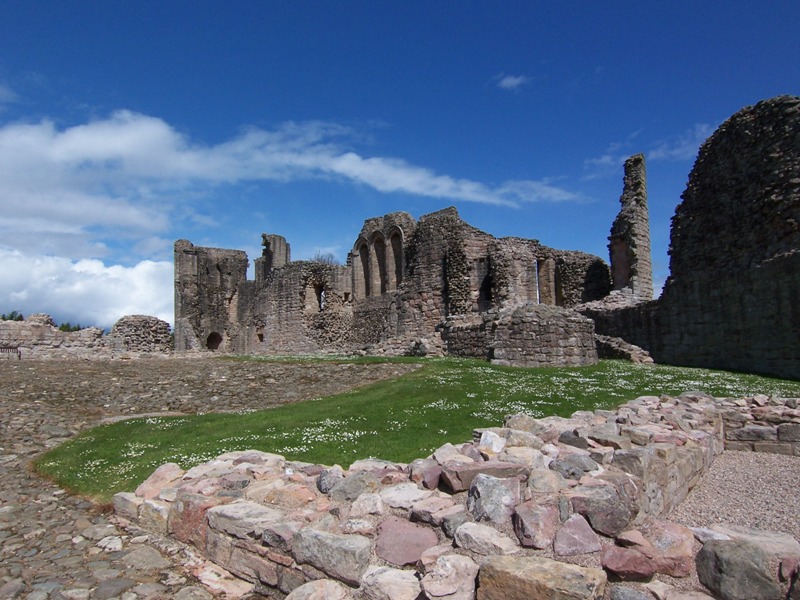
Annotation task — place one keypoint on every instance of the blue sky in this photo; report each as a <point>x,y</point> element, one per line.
<point>127,125</point>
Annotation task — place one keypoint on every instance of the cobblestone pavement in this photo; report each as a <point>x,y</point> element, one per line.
<point>56,545</point>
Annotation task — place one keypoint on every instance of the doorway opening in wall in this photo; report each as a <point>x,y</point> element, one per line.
<point>213,341</point>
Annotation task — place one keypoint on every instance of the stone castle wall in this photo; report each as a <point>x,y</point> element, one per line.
<point>731,300</point>
<point>403,280</point>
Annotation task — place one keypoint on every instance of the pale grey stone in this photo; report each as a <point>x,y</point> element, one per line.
<point>345,557</point>
<point>386,583</point>
<point>484,540</point>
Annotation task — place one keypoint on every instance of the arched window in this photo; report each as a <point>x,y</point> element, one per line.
<point>396,265</point>
<point>363,281</point>
<point>379,248</point>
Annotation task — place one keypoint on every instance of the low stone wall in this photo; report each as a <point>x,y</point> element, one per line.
<point>761,424</point>
<point>38,337</point>
<point>532,335</point>
<point>511,509</point>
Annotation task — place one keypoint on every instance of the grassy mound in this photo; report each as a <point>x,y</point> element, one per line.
<point>397,420</point>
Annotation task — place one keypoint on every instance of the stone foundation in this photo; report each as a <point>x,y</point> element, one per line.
<point>494,511</point>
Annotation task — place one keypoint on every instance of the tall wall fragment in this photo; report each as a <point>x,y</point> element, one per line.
<point>732,300</point>
<point>629,242</point>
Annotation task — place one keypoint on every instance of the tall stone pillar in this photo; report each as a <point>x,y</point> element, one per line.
<point>629,242</point>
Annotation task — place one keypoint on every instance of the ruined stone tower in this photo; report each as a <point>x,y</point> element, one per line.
<point>629,242</point>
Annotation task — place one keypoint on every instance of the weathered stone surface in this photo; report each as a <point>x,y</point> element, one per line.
<point>345,557</point>
<point>403,495</point>
<point>534,578</point>
<point>400,542</point>
<point>126,504</point>
<point>736,569</point>
<point>352,486</point>
<point>452,577</point>
<point>483,540</point>
<point>620,592</point>
<point>280,534</point>
<point>458,476</point>
<point>774,543</point>
<point>153,515</point>
<point>328,478</point>
<point>673,547</point>
<point>187,518</point>
<point>367,504</point>
<point>545,481</point>
<point>536,525</point>
<point>575,537</point>
<point>244,520</point>
<point>627,563</point>
<point>754,433</point>
<point>432,510</point>
<point>493,499</point>
<point>385,583</point>
<point>426,471</point>
<point>321,589</point>
<point>167,475</point>
<point>606,510</point>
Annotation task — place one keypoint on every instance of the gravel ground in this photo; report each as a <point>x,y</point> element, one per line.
<point>746,488</point>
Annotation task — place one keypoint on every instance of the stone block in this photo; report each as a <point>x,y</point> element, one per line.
<point>493,499</point>
<point>576,537</point>
<point>774,448</point>
<point>754,433</point>
<point>187,520</point>
<point>127,505</point>
<point>252,567</point>
<point>153,515</point>
<point>536,525</point>
<point>344,557</point>
<point>483,540</point>
<point>535,578</point>
<point>244,520</point>
<point>789,432</point>
<point>452,577</point>
<point>458,476</point>
<point>734,569</point>
<point>381,583</point>
<point>400,542</point>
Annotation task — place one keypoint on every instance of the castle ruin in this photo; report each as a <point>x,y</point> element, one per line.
<point>433,286</point>
<point>439,286</point>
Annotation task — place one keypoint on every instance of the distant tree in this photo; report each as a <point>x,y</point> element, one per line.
<point>69,327</point>
<point>326,258</point>
<point>12,316</point>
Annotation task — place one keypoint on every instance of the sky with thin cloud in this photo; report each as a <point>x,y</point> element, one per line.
<point>127,126</point>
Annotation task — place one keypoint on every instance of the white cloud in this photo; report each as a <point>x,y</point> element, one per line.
<point>127,175</point>
<point>676,148</point>
<point>683,146</point>
<point>511,82</point>
<point>112,188</point>
<point>85,291</point>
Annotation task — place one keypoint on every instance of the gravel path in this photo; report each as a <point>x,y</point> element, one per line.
<point>749,489</point>
<point>57,546</point>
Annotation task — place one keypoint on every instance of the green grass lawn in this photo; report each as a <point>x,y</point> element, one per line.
<point>398,420</point>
